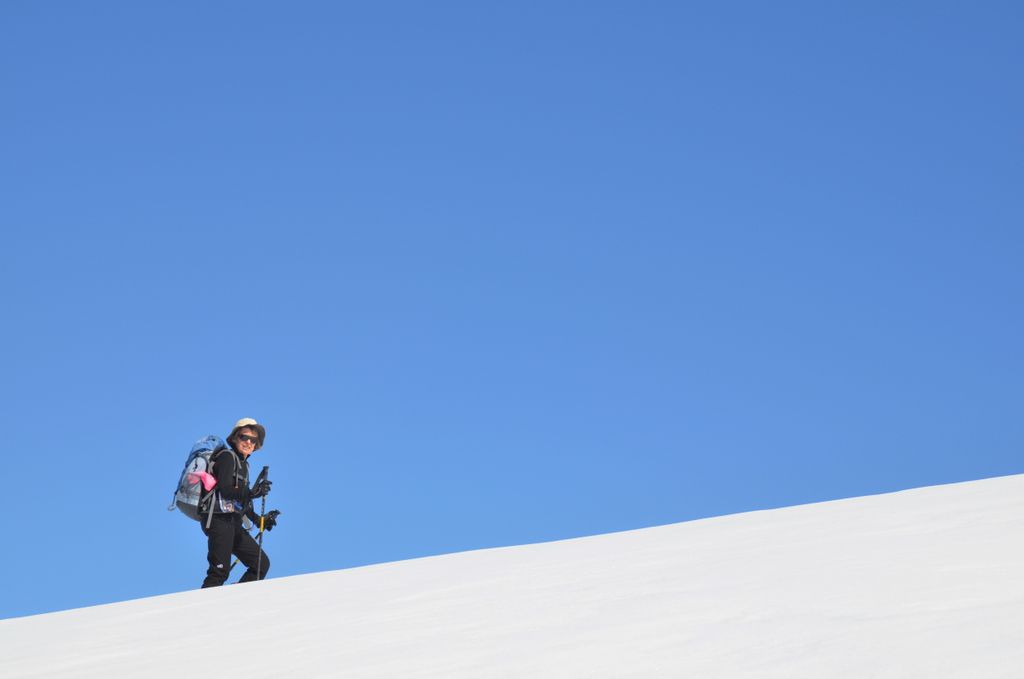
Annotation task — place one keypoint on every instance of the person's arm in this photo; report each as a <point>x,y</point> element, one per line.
<point>224,470</point>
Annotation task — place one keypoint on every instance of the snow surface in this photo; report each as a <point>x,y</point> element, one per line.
<point>922,583</point>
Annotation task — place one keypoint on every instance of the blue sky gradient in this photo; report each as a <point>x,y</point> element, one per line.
<point>493,273</point>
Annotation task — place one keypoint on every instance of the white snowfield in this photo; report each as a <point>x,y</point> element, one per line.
<point>924,583</point>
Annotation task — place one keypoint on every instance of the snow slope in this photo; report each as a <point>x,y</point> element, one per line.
<point>922,583</point>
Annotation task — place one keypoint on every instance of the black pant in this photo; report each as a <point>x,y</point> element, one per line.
<point>225,537</point>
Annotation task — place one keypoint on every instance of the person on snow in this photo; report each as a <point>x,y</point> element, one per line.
<point>232,500</point>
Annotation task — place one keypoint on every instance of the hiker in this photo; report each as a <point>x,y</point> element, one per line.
<point>232,500</point>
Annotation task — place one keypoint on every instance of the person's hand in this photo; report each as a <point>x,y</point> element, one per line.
<point>270,519</point>
<point>260,489</point>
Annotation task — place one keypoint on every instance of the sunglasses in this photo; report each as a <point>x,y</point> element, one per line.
<point>245,438</point>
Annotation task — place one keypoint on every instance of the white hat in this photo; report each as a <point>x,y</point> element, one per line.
<point>261,433</point>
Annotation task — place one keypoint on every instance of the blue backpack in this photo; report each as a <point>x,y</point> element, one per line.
<point>190,497</point>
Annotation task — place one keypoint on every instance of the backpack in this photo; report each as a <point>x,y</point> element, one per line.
<point>191,497</point>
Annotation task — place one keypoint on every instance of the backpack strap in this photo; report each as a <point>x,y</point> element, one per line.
<point>209,512</point>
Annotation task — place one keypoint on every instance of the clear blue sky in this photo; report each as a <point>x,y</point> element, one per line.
<point>494,273</point>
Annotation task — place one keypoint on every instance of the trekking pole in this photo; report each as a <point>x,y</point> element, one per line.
<point>272,514</point>
<point>263,506</point>
<point>263,511</point>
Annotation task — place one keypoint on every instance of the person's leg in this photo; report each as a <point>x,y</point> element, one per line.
<point>220,537</point>
<point>248,552</point>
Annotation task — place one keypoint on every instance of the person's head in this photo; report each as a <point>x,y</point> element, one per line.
<point>247,436</point>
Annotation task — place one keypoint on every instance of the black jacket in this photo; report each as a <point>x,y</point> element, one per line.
<point>232,483</point>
